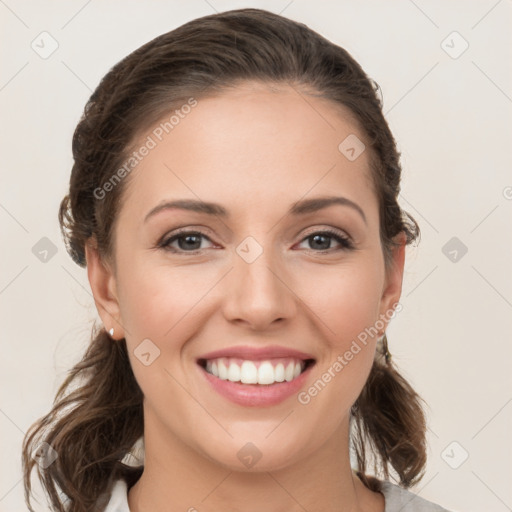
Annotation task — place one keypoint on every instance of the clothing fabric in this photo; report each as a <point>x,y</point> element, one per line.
<point>396,498</point>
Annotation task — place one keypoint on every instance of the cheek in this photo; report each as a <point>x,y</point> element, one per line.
<point>347,307</point>
<point>346,300</point>
<point>341,305</point>
<point>156,300</point>
<point>164,305</point>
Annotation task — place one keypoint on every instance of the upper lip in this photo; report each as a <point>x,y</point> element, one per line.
<point>256,353</point>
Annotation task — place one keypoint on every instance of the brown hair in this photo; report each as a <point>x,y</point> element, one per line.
<point>93,427</point>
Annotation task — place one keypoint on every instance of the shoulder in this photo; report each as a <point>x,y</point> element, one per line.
<point>118,501</point>
<point>397,498</point>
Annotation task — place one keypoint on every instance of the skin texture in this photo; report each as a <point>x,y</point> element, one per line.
<point>255,150</point>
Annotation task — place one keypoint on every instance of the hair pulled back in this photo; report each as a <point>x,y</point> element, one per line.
<point>93,427</point>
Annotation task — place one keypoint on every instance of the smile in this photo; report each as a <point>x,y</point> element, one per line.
<point>264,372</point>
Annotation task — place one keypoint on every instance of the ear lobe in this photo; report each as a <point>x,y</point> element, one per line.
<point>394,277</point>
<point>103,286</point>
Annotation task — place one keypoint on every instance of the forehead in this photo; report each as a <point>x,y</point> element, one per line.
<point>253,144</point>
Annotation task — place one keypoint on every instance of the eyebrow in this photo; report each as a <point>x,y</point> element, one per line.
<point>302,207</point>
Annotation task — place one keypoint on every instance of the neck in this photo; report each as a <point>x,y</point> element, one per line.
<point>178,478</point>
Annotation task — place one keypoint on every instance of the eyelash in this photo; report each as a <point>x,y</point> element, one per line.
<point>343,240</point>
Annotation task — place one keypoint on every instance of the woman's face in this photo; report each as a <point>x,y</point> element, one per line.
<point>255,277</point>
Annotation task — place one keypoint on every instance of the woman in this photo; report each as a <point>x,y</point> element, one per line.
<point>234,199</point>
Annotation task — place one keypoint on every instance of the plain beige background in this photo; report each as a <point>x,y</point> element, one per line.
<point>444,70</point>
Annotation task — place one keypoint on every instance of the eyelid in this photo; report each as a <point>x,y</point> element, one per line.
<point>327,229</point>
<point>207,233</point>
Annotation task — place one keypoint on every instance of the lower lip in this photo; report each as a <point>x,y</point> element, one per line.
<point>256,395</point>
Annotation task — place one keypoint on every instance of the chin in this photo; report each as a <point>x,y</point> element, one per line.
<point>255,454</point>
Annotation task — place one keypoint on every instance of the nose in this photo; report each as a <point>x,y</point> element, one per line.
<point>258,294</point>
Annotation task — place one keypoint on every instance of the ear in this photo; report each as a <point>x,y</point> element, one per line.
<point>103,285</point>
<point>392,289</point>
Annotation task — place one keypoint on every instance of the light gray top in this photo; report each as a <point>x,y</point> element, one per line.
<point>396,498</point>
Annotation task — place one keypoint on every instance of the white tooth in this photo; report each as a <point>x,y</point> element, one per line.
<point>288,374</point>
<point>266,373</point>
<point>209,366</point>
<point>249,373</point>
<point>279,372</point>
<point>296,370</point>
<point>223,371</point>
<point>215,370</point>
<point>234,372</point>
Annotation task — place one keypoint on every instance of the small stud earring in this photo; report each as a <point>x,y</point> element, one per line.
<point>111,332</point>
